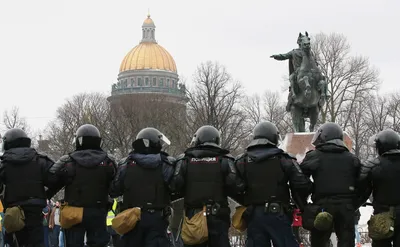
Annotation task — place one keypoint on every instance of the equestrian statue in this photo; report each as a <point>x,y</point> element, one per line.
<point>307,90</point>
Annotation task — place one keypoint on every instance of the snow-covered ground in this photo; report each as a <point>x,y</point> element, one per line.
<point>365,215</point>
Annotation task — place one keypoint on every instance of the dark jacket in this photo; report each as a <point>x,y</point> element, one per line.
<point>25,173</point>
<point>147,161</point>
<point>380,176</point>
<point>92,167</point>
<point>223,170</point>
<point>335,173</point>
<point>265,155</point>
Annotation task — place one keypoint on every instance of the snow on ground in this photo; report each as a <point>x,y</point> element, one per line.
<point>366,213</point>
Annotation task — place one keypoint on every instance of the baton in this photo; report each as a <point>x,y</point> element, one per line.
<point>179,230</point>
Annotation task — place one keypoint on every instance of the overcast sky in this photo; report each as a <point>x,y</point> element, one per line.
<point>52,49</point>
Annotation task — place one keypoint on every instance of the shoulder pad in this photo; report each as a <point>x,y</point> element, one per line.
<point>229,156</point>
<point>60,163</point>
<point>44,156</point>
<point>180,157</point>
<point>372,162</point>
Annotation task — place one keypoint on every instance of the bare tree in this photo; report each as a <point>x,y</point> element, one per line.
<point>215,100</point>
<point>275,112</point>
<point>252,106</point>
<point>85,108</point>
<point>350,78</point>
<point>368,118</point>
<point>359,130</point>
<point>378,117</point>
<point>131,113</point>
<point>269,107</point>
<point>394,110</point>
<point>12,119</point>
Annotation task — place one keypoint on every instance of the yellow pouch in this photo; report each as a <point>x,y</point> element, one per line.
<point>14,219</point>
<point>237,219</point>
<point>126,221</point>
<point>195,230</point>
<point>70,216</point>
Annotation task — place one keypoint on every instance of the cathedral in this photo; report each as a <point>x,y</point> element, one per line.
<point>148,69</point>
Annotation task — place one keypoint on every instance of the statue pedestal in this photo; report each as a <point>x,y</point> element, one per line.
<point>298,144</point>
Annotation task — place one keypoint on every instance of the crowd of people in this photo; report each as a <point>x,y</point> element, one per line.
<point>53,234</point>
<point>130,201</point>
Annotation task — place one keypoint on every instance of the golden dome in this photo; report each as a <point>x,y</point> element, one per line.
<point>148,21</point>
<point>148,55</point>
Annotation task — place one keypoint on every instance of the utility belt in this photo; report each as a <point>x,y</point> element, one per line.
<point>211,208</point>
<point>97,204</point>
<point>274,207</point>
<point>163,212</point>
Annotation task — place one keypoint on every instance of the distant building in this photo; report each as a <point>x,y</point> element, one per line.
<point>148,69</point>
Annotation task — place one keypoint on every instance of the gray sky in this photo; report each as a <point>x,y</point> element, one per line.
<point>51,50</point>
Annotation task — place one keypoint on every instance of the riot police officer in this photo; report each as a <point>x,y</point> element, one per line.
<point>205,175</point>
<point>381,176</point>
<point>86,174</point>
<point>143,179</point>
<point>24,173</point>
<point>335,172</point>
<point>266,170</point>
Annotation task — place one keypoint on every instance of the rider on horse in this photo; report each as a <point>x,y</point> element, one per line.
<point>295,59</point>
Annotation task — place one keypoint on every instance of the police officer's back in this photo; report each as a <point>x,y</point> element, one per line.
<point>267,170</point>
<point>335,172</point>
<point>86,174</point>
<point>205,175</point>
<point>24,173</point>
<point>143,179</point>
<point>381,175</point>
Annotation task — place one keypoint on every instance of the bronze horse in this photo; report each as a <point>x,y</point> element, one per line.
<point>309,84</point>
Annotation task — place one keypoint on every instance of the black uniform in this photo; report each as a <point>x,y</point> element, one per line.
<point>267,170</point>
<point>24,173</point>
<point>86,174</point>
<point>205,175</point>
<point>381,176</point>
<point>143,180</point>
<point>335,172</point>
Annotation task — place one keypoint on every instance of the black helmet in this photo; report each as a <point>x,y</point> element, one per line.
<point>15,138</point>
<point>265,133</point>
<point>328,132</point>
<point>87,137</point>
<point>150,140</point>
<point>206,135</point>
<point>385,140</point>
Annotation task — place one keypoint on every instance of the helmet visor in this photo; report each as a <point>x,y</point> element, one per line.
<point>164,140</point>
